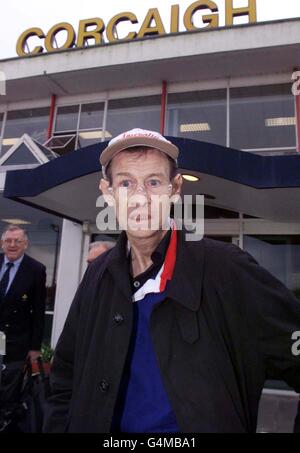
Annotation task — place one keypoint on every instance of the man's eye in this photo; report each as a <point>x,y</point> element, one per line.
<point>154,183</point>
<point>125,183</point>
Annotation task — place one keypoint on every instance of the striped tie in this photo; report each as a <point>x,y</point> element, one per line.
<point>4,281</point>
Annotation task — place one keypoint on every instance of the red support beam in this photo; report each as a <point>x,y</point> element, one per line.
<point>51,116</point>
<point>163,107</point>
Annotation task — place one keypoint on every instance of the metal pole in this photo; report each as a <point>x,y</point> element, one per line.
<point>163,107</point>
<point>51,116</point>
<point>228,111</point>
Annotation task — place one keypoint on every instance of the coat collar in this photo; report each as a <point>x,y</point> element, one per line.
<point>117,264</point>
<point>186,284</point>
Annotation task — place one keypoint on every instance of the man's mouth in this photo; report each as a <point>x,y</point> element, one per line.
<point>142,217</point>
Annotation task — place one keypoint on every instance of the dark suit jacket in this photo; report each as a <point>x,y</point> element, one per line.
<point>225,326</point>
<point>22,310</point>
<point>297,421</point>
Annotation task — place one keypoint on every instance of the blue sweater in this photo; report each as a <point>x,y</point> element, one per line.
<point>143,405</point>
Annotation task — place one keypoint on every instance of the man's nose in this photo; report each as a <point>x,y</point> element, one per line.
<point>139,199</point>
<point>141,188</point>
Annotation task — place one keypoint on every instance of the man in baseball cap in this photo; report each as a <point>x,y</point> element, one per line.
<point>137,138</point>
<point>166,335</point>
<point>140,179</point>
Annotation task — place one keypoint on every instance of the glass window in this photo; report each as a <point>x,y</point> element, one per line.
<point>262,117</point>
<point>91,116</point>
<point>199,115</point>
<point>126,114</point>
<point>91,124</point>
<point>67,118</point>
<point>280,255</point>
<point>44,243</point>
<point>33,122</point>
<point>21,156</point>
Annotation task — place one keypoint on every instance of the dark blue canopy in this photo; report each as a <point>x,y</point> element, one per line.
<point>200,158</point>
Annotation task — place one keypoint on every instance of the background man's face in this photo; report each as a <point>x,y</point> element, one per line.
<point>145,179</point>
<point>95,252</point>
<point>14,244</point>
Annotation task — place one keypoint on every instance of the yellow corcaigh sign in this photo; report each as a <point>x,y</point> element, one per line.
<point>152,25</point>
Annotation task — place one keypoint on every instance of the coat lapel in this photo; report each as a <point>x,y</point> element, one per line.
<point>117,264</point>
<point>186,284</point>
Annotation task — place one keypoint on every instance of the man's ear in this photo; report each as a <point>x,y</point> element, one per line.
<point>106,190</point>
<point>176,190</point>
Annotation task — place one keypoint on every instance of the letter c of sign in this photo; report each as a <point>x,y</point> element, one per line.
<point>23,40</point>
<point>112,25</point>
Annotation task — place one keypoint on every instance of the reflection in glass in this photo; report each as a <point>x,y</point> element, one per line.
<point>199,115</point>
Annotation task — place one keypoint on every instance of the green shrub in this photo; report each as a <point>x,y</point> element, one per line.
<point>46,352</point>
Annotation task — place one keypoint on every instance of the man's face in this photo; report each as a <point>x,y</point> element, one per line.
<point>95,252</point>
<point>14,244</point>
<point>141,189</point>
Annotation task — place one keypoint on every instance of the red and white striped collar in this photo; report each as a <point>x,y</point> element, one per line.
<point>159,283</point>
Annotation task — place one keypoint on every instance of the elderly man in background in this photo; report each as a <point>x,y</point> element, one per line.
<point>22,297</point>
<point>97,248</point>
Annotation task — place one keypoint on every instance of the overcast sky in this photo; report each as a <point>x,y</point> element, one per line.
<point>17,16</point>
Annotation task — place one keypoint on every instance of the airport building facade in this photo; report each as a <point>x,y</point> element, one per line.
<point>226,94</point>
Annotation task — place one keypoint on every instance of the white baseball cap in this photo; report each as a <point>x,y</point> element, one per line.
<point>134,138</point>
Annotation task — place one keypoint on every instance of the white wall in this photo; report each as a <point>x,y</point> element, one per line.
<point>2,180</point>
<point>68,276</point>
